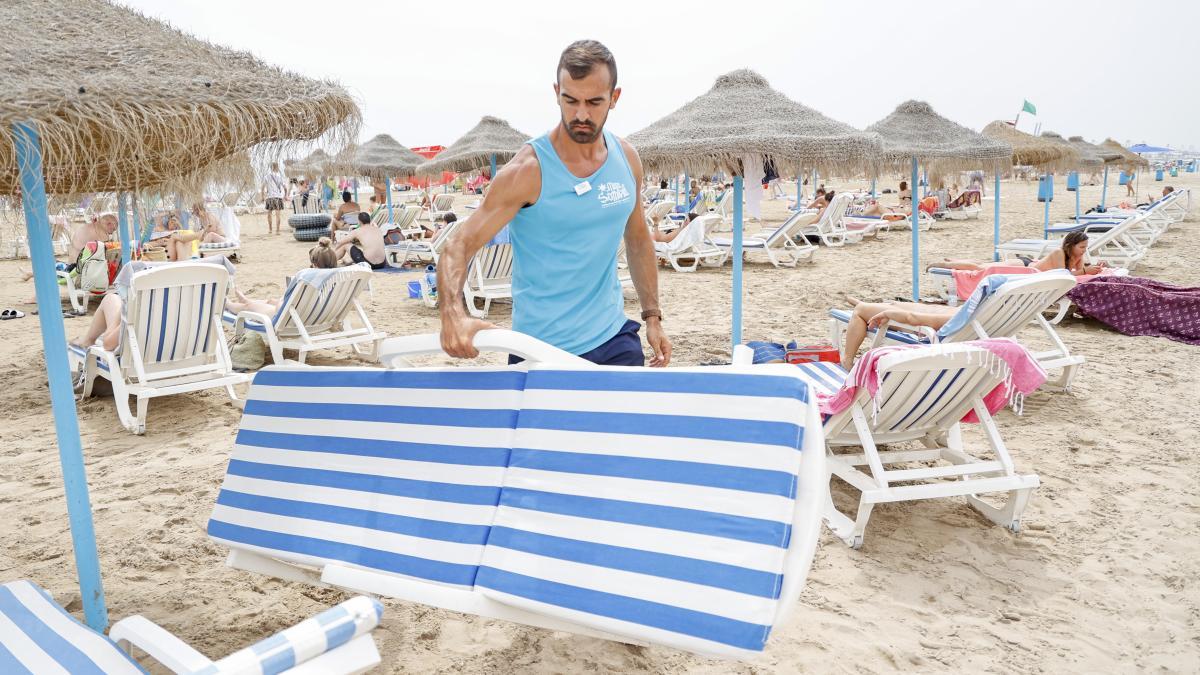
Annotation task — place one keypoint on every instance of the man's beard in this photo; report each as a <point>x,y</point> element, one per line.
<point>582,132</point>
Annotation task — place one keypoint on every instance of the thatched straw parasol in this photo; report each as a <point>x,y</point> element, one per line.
<point>942,146</point>
<point>1104,155</point>
<point>317,163</point>
<point>99,98</point>
<point>1081,161</point>
<point>1128,160</point>
<point>492,137</point>
<point>1030,150</point>
<point>124,101</point>
<point>742,115</point>
<point>383,157</point>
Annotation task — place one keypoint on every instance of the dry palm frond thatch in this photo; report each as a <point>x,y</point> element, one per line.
<point>1030,150</point>
<point>915,130</point>
<point>742,115</point>
<point>1102,155</point>
<point>317,163</point>
<point>381,157</point>
<point>1129,160</point>
<point>492,136</point>
<point>1082,161</point>
<point>123,101</point>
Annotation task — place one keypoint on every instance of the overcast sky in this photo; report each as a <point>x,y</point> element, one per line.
<point>426,72</point>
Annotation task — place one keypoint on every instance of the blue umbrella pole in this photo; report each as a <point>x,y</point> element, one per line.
<point>58,371</point>
<point>737,261</point>
<point>916,239</point>
<point>996,221</point>
<point>1104,190</point>
<point>387,182</point>
<point>492,165</point>
<point>123,226</point>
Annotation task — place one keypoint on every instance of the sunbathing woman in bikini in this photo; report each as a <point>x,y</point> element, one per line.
<point>1069,256</point>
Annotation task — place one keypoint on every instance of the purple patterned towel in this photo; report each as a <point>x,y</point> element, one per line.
<point>1141,306</point>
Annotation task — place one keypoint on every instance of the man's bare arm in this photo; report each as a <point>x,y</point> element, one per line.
<point>516,184</point>
<point>643,264</point>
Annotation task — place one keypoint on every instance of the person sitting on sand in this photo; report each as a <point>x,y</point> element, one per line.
<point>364,244</point>
<point>870,315</point>
<point>1068,256</point>
<point>320,256</point>
<point>100,228</point>
<point>347,213</point>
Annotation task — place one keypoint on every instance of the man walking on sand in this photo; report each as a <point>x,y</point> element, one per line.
<point>274,188</point>
<point>568,198</point>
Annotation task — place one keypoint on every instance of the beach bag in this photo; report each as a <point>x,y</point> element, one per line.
<point>248,352</point>
<point>91,267</point>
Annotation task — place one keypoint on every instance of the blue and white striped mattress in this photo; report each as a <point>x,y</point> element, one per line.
<point>651,503</point>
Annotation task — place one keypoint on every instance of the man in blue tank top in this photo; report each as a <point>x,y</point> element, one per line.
<point>569,198</point>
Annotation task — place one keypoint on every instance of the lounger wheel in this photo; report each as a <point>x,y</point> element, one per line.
<point>310,233</point>
<point>307,220</point>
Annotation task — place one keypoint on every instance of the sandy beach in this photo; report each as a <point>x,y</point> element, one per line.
<point>1103,578</point>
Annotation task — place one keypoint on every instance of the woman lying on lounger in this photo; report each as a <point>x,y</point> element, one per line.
<point>321,256</point>
<point>1069,256</point>
<point>869,315</point>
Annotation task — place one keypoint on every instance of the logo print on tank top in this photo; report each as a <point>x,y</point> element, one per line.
<point>612,194</point>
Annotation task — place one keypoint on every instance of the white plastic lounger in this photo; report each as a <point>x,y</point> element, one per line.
<point>923,395</point>
<point>779,245</point>
<point>1017,303</point>
<point>489,277</point>
<point>440,205</point>
<point>315,314</point>
<point>829,228</point>
<point>1114,245</point>
<point>679,506</point>
<point>38,636</point>
<point>171,343</point>
<point>692,245</point>
<point>421,249</point>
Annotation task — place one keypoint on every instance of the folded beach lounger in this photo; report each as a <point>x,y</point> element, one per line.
<point>171,341</point>
<point>783,246</point>
<point>38,636</point>
<point>924,394</point>
<point>1016,303</point>
<point>678,507</point>
<point>316,314</point>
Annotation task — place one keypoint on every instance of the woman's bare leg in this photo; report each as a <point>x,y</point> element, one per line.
<point>856,330</point>
<point>959,264</point>
<point>106,324</point>
<point>212,238</point>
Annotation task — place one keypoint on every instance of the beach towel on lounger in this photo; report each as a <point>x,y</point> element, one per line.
<point>1141,306</point>
<point>1025,376</point>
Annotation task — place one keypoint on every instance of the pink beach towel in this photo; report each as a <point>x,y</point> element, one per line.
<point>1025,376</point>
<point>965,281</point>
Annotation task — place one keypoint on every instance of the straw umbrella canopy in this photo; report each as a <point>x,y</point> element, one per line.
<point>100,98</point>
<point>1081,161</point>
<point>122,101</point>
<point>316,163</point>
<point>491,138</point>
<point>1103,155</point>
<point>1030,150</point>
<point>743,116</point>
<point>742,119</point>
<point>1128,160</point>
<point>942,146</point>
<point>383,157</point>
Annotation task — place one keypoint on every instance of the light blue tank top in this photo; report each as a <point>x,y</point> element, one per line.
<point>565,286</point>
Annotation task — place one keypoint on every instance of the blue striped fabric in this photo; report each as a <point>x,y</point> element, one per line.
<point>397,471</point>
<point>629,500</point>
<point>38,636</point>
<point>825,377</point>
<point>322,633</point>
<point>645,500</point>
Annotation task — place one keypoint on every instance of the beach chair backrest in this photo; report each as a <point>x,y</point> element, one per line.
<point>656,504</point>
<point>492,264</point>
<point>831,219</point>
<point>443,202</point>
<point>924,390</point>
<point>391,470</point>
<point>1014,305</point>
<point>169,312</point>
<point>320,309</point>
<point>313,205</point>
<point>657,210</point>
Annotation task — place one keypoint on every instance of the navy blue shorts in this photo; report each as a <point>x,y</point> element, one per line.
<point>622,349</point>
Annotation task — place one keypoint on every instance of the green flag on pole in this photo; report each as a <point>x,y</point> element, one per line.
<point>1029,108</point>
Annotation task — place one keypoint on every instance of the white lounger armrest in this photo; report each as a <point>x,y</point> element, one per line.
<point>162,646</point>
<point>394,350</point>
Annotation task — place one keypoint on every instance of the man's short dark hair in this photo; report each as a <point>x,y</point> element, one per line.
<point>364,218</point>
<point>346,196</point>
<point>581,56</point>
